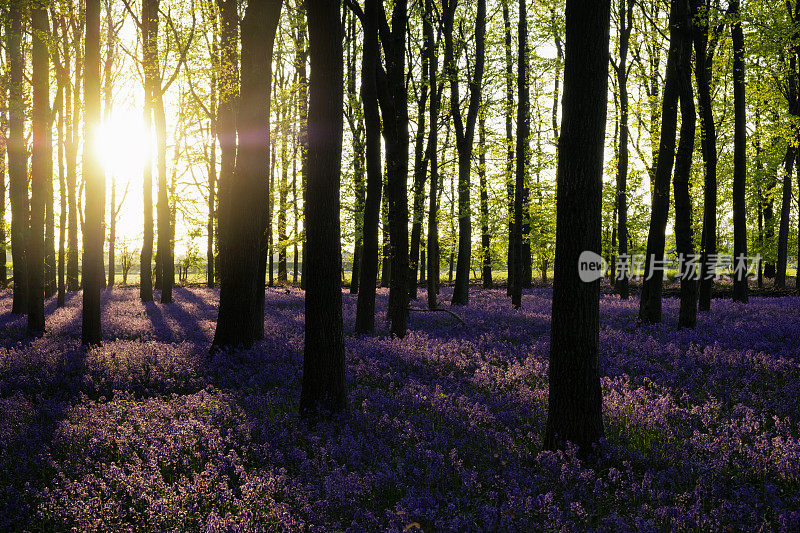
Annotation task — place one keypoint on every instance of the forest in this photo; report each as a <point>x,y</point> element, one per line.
<point>428,265</point>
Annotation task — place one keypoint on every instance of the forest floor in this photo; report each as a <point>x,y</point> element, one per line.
<point>444,427</point>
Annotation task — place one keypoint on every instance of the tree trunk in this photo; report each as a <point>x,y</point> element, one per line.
<point>650,303</point>
<point>575,397</point>
<point>433,142</point>
<point>164,251</point>
<point>521,192</point>
<point>41,168</point>
<point>703,71</point>
<point>73,111</point>
<point>421,158</point>
<point>62,188</point>
<point>242,214</point>
<point>365,307</point>
<point>465,133</point>
<point>786,206</point>
<point>509,177</point>
<point>684,238</point>
<point>91,333</point>
<point>17,158</point>
<point>393,99</point>
<point>149,66</point>
<point>356,121</point>
<point>486,251</point>
<point>625,27</point>
<point>739,158</point>
<point>4,133</point>
<point>323,387</point>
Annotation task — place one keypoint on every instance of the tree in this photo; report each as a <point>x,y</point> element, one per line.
<point>739,156</point>
<point>243,196</point>
<point>41,167</point>
<point>433,144</point>
<point>522,160</point>
<point>684,237</point>
<point>365,307</point>
<point>393,101</point>
<point>323,386</point>
<point>704,65</point>
<point>650,303</point>
<point>575,397</point>
<point>17,157</point>
<point>465,133</point>
<point>625,16</point>
<point>91,333</point>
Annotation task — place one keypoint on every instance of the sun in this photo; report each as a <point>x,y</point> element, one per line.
<point>122,144</point>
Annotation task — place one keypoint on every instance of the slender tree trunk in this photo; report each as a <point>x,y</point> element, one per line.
<point>625,27</point>
<point>91,333</point>
<point>356,121</point>
<point>17,158</point>
<point>523,158</point>
<point>650,303</point>
<point>433,142</point>
<point>575,397</point>
<point>684,237</point>
<point>226,112</point>
<point>242,213</point>
<point>783,229</point>
<point>421,158</point>
<point>4,133</point>
<point>365,307</point>
<point>465,133</point>
<point>740,288</point>
<point>149,66</point>
<point>164,251</point>
<point>62,188</point>
<point>40,173</point>
<point>509,176</point>
<point>486,250</point>
<point>393,99</point>
<point>283,189</point>
<point>703,68</point>
<point>323,387</point>
<point>73,112</point>
<point>386,259</point>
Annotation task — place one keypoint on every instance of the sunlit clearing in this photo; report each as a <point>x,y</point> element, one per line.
<point>122,145</point>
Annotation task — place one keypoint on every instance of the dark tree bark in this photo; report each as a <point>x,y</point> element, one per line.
<point>17,158</point>
<point>149,32</point>
<point>650,303</point>
<point>323,387</point>
<point>433,143</point>
<point>355,119</point>
<point>509,110</point>
<point>783,228</point>
<point>91,333</point>
<point>739,157</point>
<point>521,192</point>
<point>684,238</point>
<point>365,307</point>
<point>62,189</point>
<point>242,220</point>
<point>393,100</point>
<point>165,263</point>
<point>703,71</point>
<point>421,158</point>
<point>486,237</point>
<point>41,168</point>
<point>575,397</point>
<point>625,26</point>
<point>465,133</point>
<point>283,191</point>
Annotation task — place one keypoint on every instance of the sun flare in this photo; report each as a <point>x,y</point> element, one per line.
<point>121,144</point>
